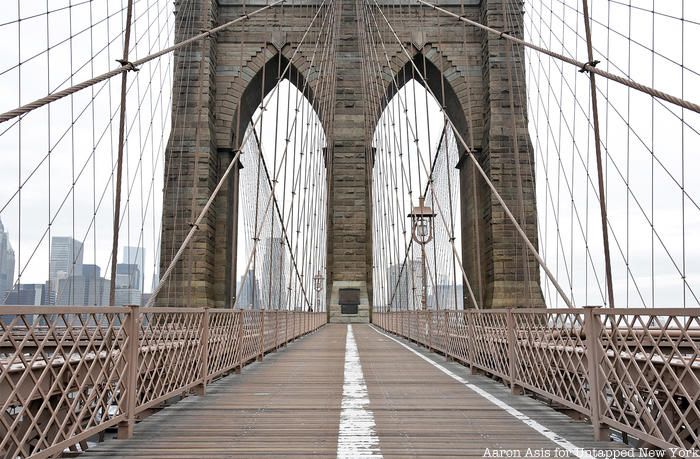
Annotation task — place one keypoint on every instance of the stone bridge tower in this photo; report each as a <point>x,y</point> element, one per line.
<point>469,64</point>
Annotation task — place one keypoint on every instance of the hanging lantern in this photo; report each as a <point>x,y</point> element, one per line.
<point>422,222</point>
<point>318,281</point>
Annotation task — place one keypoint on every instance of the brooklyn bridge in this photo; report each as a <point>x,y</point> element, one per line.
<point>349,228</point>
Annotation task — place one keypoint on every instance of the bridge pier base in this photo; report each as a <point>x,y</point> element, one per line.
<point>356,289</point>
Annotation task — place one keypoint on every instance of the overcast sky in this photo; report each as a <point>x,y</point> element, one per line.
<point>659,50</point>
<point>75,140</point>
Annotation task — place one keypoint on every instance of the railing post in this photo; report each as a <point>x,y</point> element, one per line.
<point>593,326</point>
<point>471,339</point>
<point>409,324</point>
<point>204,353</point>
<point>446,338</point>
<point>239,342</point>
<point>429,319</point>
<point>512,353</point>
<point>126,428</point>
<point>261,349</point>
<point>277,329</point>
<point>286,327</point>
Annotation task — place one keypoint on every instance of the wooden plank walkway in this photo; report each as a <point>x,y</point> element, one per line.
<point>290,405</point>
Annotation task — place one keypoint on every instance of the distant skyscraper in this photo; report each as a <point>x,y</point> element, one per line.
<point>26,295</point>
<point>96,292</point>
<point>84,289</point>
<point>7,264</point>
<point>23,295</point>
<point>272,268</point>
<point>127,285</point>
<point>249,297</point>
<point>135,256</point>
<point>66,260</point>
<point>401,280</point>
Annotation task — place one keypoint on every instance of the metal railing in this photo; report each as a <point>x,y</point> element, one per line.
<point>634,370</point>
<point>69,373</point>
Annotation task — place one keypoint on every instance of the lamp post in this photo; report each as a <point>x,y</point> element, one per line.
<point>318,286</point>
<point>422,233</point>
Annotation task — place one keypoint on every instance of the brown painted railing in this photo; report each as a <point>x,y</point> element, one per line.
<point>69,373</point>
<point>635,370</point>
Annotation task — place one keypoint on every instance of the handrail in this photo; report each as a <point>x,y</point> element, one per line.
<point>68,373</point>
<point>634,370</point>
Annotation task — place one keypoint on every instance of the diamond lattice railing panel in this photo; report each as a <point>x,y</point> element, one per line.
<point>250,341</point>
<point>550,355</point>
<point>423,328</point>
<point>170,353</point>
<point>457,335</point>
<point>282,328</point>
<point>270,330</point>
<point>297,325</point>
<point>224,344</point>
<point>412,325</point>
<point>437,327</point>
<point>63,375</point>
<point>290,325</point>
<point>649,370</point>
<point>490,341</point>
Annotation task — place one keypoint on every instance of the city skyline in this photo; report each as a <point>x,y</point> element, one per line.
<point>70,281</point>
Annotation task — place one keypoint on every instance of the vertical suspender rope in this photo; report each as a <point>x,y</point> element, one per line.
<point>599,159</point>
<point>120,155</point>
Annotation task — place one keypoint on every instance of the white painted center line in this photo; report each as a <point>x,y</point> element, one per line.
<point>356,435</point>
<point>560,441</point>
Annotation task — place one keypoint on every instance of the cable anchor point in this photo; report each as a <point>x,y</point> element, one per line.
<point>585,68</point>
<point>130,67</point>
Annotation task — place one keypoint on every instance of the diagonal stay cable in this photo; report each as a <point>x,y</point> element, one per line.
<point>126,67</point>
<point>585,66</point>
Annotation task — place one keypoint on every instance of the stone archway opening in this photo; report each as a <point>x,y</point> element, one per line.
<point>415,154</point>
<point>282,194</point>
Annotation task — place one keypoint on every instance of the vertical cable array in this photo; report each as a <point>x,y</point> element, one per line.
<point>57,192</point>
<point>573,256</point>
<point>643,142</point>
<point>282,239</point>
<point>415,154</point>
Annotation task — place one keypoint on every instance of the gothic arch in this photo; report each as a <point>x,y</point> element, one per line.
<point>443,79</point>
<point>482,224</point>
<point>447,83</point>
<point>243,93</point>
<point>238,99</point>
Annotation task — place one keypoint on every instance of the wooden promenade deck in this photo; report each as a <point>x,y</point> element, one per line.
<point>291,404</point>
